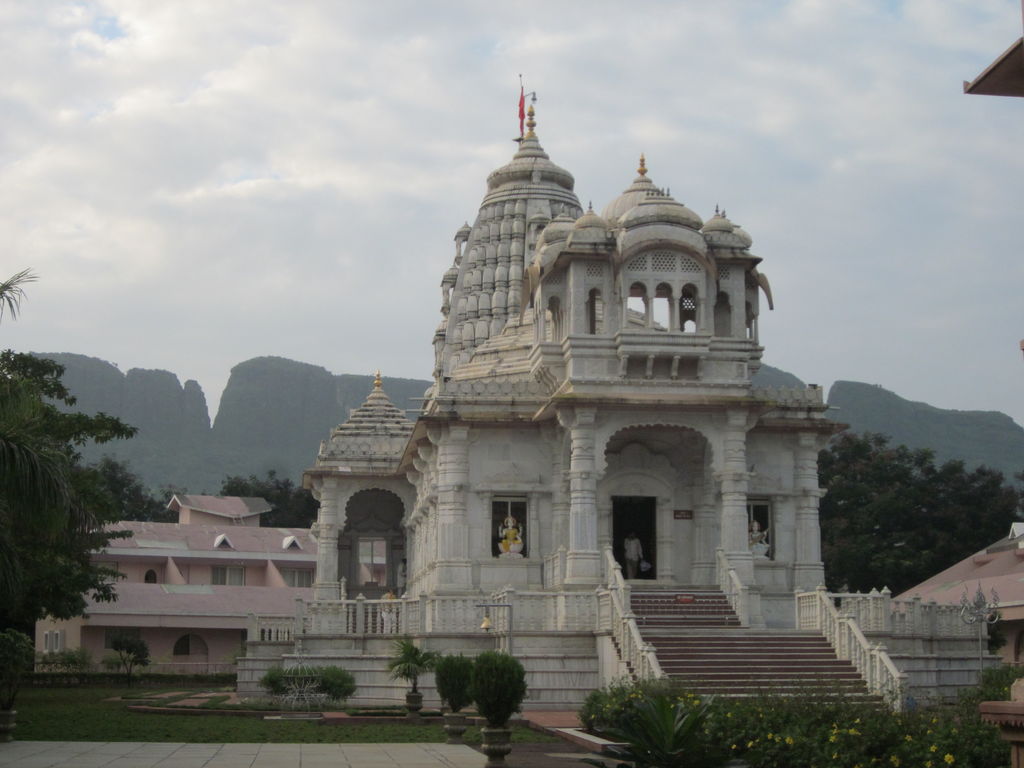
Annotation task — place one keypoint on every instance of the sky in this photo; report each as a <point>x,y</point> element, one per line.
<point>197,183</point>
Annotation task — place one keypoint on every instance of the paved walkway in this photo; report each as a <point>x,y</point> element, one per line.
<point>127,754</point>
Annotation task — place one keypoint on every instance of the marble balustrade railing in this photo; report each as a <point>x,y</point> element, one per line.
<point>817,611</point>
<point>615,615</point>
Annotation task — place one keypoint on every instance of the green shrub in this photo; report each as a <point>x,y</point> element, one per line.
<point>131,651</point>
<point>75,661</point>
<point>605,707</point>
<point>454,676</point>
<point>336,682</point>
<point>274,682</point>
<point>664,731</point>
<point>498,686</point>
<point>16,657</point>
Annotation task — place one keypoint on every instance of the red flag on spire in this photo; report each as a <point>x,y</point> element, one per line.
<point>522,108</point>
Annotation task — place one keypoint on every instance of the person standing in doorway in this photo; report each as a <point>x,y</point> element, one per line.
<point>633,551</point>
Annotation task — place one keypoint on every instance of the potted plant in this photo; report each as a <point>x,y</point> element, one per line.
<point>16,657</point>
<point>499,687</point>
<point>453,675</point>
<point>409,662</point>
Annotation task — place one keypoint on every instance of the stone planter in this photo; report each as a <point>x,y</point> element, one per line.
<point>414,703</point>
<point>497,742</point>
<point>7,717</point>
<point>455,725</point>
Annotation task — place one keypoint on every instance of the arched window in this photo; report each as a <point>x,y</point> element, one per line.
<point>751,320</point>
<point>150,577</point>
<point>553,328</point>
<point>661,312</point>
<point>638,303</point>
<point>595,312</point>
<point>190,645</point>
<point>723,315</point>
<point>688,309</point>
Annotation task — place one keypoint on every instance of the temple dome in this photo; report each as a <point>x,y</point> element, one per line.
<point>634,195</point>
<point>660,208</point>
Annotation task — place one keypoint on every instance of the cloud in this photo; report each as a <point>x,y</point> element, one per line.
<point>197,183</point>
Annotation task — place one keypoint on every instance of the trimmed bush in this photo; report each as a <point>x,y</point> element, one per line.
<point>454,677</point>
<point>336,682</point>
<point>498,686</point>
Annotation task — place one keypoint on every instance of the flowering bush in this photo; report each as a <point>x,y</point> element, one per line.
<point>825,732</point>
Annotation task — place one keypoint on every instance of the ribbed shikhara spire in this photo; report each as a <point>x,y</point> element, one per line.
<point>483,288</point>
<point>377,415</point>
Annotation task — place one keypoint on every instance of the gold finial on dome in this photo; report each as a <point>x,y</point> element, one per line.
<point>377,381</point>
<point>642,170</point>
<point>530,124</point>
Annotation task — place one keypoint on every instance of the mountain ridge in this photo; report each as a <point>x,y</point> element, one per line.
<point>274,412</point>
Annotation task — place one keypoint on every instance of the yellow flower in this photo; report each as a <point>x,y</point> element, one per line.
<point>831,738</point>
<point>789,740</point>
<point>933,748</point>
<point>750,744</point>
<point>733,746</point>
<point>949,759</point>
<point>771,735</point>
<point>895,761</point>
<point>908,737</point>
<point>835,755</point>
<point>853,732</point>
<point>928,764</point>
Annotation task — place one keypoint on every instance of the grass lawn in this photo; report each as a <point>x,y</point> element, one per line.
<point>85,714</point>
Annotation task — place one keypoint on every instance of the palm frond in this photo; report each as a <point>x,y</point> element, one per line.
<point>12,292</point>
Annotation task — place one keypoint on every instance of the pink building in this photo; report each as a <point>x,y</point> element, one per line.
<point>189,587</point>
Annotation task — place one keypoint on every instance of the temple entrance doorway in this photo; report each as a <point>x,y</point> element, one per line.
<point>635,514</point>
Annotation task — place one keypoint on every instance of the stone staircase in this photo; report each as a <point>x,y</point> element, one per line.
<point>700,643</point>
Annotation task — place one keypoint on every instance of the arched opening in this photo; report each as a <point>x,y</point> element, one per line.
<point>553,330</point>
<point>688,309</point>
<point>661,313</point>
<point>150,577</point>
<point>655,477</point>
<point>638,306</point>
<point>595,312</point>
<point>723,315</point>
<point>751,321</point>
<point>190,645</point>
<point>372,544</point>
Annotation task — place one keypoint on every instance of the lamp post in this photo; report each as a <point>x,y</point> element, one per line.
<point>485,625</point>
<point>980,611</point>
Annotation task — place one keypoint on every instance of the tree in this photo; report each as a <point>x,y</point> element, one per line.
<point>52,510</point>
<point>293,507</point>
<point>131,651</point>
<point>131,498</point>
<point>891,518</point>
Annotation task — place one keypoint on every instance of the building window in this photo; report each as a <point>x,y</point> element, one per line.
<point>373,562</point>
<point>150,577</point>
<point>297,577</point>
<point>111,632</point>
<point>759,529</point>
<point>53,641</point>
<point>190,645</point>
<point>228,575</point>
<point>508,522</point>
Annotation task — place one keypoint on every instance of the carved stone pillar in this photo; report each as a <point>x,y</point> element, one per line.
<point>583,563</point>
<point>733,482</point>
<point>454,569</point>
<point>663,531</point>
<point>330,521</point>
<point>808,571</point>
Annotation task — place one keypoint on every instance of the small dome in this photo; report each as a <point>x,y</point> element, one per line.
<point>721,233</point>
<point>634,194</point>
<point>718,223</point>
<point>660,208</point>
<point>556,231</point>
<point>589,220</point>
<point>743,235</point>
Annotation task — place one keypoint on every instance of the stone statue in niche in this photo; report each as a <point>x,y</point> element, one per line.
<point>510,537</point>
<point>758,540</point>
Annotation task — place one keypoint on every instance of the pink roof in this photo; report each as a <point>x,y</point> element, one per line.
<point>225,506</point>
<point>203,538</point>
<point>999,567</point>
